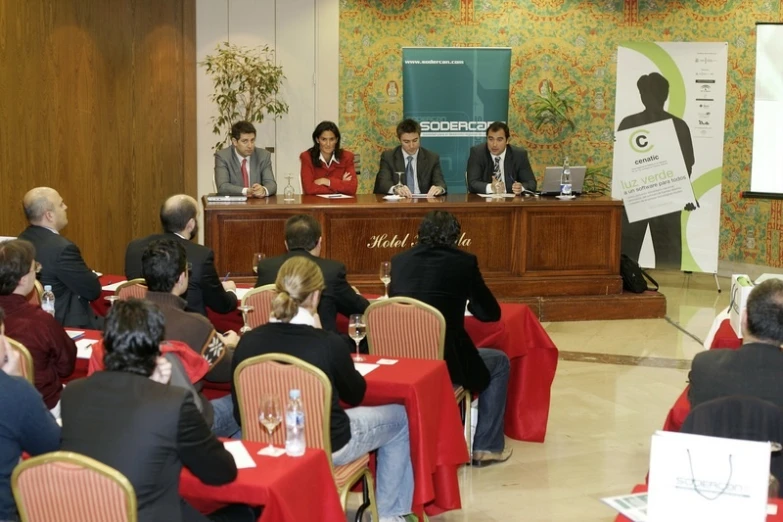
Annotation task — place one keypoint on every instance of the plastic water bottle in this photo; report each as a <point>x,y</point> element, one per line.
<point>565,179</point>
<point>47,300</point>
<point>294,425</point>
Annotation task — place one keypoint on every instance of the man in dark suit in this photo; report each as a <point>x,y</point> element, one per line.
<point>303,238</point>
<point>243,169</point>
<point>130,419</point>
<point>179,217</point>
<point>497,167</point>
<point>753,370</point>
<point>73,283</point>
<point>421,166</point>
<point>438,273</point>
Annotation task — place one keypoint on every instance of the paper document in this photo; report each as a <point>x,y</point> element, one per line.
<point>75,334</point>
<point>112,287</point>
<point>334,196</point>
<point>393,197</point>
<point>241,292</point>
<point>497,195</point>
<point>364,368</point>
<point>632,506</point>
<point>242,457</point>
<point>419,196</point>
<point>386,361</point>
<point>84,348</point>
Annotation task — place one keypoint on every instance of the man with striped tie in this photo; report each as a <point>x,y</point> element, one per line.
<point>497,167</point>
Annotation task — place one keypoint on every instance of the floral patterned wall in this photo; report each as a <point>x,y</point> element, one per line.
<point>569,43</point>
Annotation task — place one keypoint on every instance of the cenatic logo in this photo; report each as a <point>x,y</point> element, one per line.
<point>640,141</point>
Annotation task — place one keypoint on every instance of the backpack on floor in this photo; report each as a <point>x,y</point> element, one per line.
<point>634,277</point>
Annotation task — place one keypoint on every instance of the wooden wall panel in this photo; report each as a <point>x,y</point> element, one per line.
<point>94,100</point>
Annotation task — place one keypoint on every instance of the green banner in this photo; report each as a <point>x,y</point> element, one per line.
<point>455,93</point>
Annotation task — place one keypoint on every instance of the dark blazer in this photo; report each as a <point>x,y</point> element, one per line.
<point>447,278</point>
<point>337,297</point>
<point>204,286</point>
<point>146,431</point>
<point>428,172</point>
<point>73,283</point>
<point>228,171</point>
<point>754,370</point>
<point>516,168</point>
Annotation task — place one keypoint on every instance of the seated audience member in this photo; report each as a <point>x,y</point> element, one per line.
<point>438,273</point>
<point>326,168</point>
<point>164,267</point>
<point>295,329</point>
<point>497,167</point>
<point>53,352</point>
<point>129,418</point>
<point>421,166</point>
<point>244,169</point>
<point>73,283</point>
<point>754,369</point>
<point>25,425</point>
<point>303,239</point>
<point>179,217</point>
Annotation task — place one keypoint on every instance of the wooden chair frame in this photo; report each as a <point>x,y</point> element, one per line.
<point>26,360</point>
<point>255,291</point>
<point>137,281</point>
<point>407,301</point>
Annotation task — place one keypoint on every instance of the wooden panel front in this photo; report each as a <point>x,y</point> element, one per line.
<point>525,247</point>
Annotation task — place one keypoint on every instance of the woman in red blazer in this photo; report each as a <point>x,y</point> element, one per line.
<point>326,168</point>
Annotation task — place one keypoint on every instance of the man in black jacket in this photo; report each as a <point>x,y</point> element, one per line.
<point>73,283</point>
<point>753,370</point>
<point>129,418</point>
<point>303,238</point>
<point>497,167</point>
<point>438,273</point>
<point>179,217</point>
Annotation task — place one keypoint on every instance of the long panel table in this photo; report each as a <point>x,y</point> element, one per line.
<point>526,246</point>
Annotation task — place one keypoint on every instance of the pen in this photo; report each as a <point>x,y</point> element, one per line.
<point>226,278</point>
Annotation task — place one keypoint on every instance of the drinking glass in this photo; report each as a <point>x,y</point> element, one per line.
<point>244,309</point>
<point>270,414</point>
<point>497,187</point>
<point>288,193</point>
<point>257,257</point>
<point>398,185</point>
<point>385,274</point>
<point>357,330</point>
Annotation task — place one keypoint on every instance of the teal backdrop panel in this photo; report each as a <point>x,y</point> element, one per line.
<point>455,93</point>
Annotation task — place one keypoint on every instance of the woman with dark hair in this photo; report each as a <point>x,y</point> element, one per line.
<point>326,168</point>
<point>295,329</point>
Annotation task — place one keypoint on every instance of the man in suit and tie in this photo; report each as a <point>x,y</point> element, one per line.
<point>243,169</point>
<point>62,266</point>
<point>179,217</point>
<point>129,418</point>
<point>421,166</point>
<point>303,238</point>
<point>497,167</point>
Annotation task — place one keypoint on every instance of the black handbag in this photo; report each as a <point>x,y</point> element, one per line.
<point>635,277</point>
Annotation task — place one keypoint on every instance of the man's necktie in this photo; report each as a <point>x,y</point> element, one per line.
<point>409,174</point>
<point>496,168</point>
<point>245,175</point>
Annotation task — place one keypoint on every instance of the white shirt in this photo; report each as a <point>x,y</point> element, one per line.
<point>333,159</point>
<point>502,171</point>
<point>302,316</point>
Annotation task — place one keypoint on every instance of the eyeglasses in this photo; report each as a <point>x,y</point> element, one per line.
<point>38,267</point>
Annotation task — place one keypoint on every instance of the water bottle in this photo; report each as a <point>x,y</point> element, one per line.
<point>47,300</point>
<point>294,425</point>
<point>565,179</point>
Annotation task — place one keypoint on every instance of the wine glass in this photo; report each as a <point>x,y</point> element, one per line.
<point>385,274</point>
<point>111,298</point>
<point>270,415</point>
<point>257,258</point>
<point>357,330</point>
<point>244,309</point>
<point>398,185</point>
<point>288,193</point>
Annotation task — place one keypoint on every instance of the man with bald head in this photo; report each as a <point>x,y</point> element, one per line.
<point>179,218</point>
<point>73,283</point>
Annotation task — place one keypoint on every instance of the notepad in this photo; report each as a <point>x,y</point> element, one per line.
<point>386,361</point>
<point>334,196</point>
<point>392,197</point>
<point>497,195</point>
<point>364,368</point>
<point>112,287</point>
<point>84,348</point>
<point>241,292</point>
<point>75,334</point>
<point>242,457</point>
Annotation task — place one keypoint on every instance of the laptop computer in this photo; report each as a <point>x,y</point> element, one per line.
<point>551,183</point>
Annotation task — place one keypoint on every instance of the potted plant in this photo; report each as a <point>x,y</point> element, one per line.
<point>246,87</point>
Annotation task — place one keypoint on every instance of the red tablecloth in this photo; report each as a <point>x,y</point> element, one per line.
<point>725,338</point>
<point>437,443</point>
<point>641,488</point>
<point>290,489</point>
<point>80,369</point>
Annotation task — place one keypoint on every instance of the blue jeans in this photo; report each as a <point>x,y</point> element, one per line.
<point>384,428</point>
<point>223,422</point>
<point>492,403</point>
